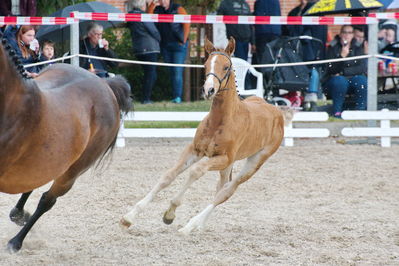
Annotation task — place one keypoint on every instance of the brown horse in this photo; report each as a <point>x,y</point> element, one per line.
<point>53,127</point>
<point>233,130</point>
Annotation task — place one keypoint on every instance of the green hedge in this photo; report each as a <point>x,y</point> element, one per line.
<point>121,42</point>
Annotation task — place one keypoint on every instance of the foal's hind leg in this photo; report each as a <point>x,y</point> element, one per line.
<point>253,163</point>
<point>225,176</point>
<point>17,214</point>
<point>187,158</point>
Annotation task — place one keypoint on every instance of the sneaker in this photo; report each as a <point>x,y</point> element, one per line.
<point>147,102</point>
<point>338,115</point>
<point>176,100</point>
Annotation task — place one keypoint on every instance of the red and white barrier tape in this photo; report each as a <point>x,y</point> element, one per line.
<point>384,15</point>
<point>204,19</point>
<point>211,19</point>
<point>37,20</point>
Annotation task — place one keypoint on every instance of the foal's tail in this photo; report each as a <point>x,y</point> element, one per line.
<point>121,89</point>
<point>288,114</point>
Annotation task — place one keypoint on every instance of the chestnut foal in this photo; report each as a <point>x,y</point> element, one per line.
<point>233,130</point>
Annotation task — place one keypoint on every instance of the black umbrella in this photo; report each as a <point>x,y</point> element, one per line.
<point>323,7</point>
<point>60,33</point>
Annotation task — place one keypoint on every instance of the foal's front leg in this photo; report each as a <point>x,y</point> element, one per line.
<point>252,164</point>
<point>187,158</point>
<point>18,215</point>
<point>198,170</point>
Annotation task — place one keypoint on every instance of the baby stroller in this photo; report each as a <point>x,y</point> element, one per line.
<point>295,86</point>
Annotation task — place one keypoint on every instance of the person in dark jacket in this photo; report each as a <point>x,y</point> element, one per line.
<point>311,50</point>
<point>23,42</point>
<point>96,45</point>
<point>242,33</point>
<point>347,77</point>
<point>265,33</point>
<point>145,39</point>
<point>174,42</point>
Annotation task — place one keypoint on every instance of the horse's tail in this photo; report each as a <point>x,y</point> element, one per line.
<point>288,114</point>
<point>121,89</point>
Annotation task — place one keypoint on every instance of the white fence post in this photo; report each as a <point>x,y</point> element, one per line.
<point>120,139</point>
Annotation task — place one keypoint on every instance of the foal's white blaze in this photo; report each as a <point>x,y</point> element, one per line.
<point>209,82</point>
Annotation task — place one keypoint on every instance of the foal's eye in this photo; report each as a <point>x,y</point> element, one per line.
<point>226,68</point>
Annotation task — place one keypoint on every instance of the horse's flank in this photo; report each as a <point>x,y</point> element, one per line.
<point>65,115</point>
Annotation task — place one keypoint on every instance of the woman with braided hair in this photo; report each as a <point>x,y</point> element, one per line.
<point>26,47</point>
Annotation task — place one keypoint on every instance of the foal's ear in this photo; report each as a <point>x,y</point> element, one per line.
<point>231,46</point>
<point>209,48</point>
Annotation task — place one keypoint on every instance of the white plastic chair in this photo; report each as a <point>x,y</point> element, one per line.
<point>241,67</point>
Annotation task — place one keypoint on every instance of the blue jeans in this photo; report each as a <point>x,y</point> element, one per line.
<point>339,86</point>
<point>150,74</point>
<point>175,52</point>
<point>241,50</point>
<point>314,81</point>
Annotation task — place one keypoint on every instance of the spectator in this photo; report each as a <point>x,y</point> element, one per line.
<point>5,8</point>
<point>145,39</point>
<point>242,33</point>
<point>348,77</point>
<point>265,33</point>
<point>95,45</point>
<point>47,52</point>
<point>174,42</point>
<point>358,35</point>
<point>23,42</point>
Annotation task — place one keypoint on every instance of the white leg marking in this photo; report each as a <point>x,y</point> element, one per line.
<point>162,183</point>
<point>198,221</point>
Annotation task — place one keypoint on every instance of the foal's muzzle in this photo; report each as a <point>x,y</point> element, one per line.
<point>207,95</point>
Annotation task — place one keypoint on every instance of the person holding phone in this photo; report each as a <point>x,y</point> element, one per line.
<point>346,77</point>
<point>23,42</point>
<point>94,44</point>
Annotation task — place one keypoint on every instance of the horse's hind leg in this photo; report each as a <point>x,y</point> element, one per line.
<point>45,204</point>
<point>17,214</point>
<point>252,164</point>
<point>47,201</point>
<point>187,158</point>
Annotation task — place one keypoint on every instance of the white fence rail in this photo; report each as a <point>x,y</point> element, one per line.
<point>385,131</point>
<point>290,132</point>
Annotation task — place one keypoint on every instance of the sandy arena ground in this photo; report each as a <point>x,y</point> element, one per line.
<point>316,203</point>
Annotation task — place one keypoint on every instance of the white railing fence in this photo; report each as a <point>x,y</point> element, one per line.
<point>385,131</point>
<point>290,131</point>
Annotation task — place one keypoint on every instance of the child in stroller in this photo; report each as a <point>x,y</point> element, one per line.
<point>297,85</point>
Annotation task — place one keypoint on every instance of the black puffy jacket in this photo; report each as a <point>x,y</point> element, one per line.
<point>145,36</point>
<point>348,68</point>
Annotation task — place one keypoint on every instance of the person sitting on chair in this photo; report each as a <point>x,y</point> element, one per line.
<point>95,45</point>
<point>346,77</point>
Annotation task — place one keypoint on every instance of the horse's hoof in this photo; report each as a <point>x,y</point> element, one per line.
<point>125,224</point>
<point>19,217</point>
<point>168,220</point>
<point>14,245</point>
